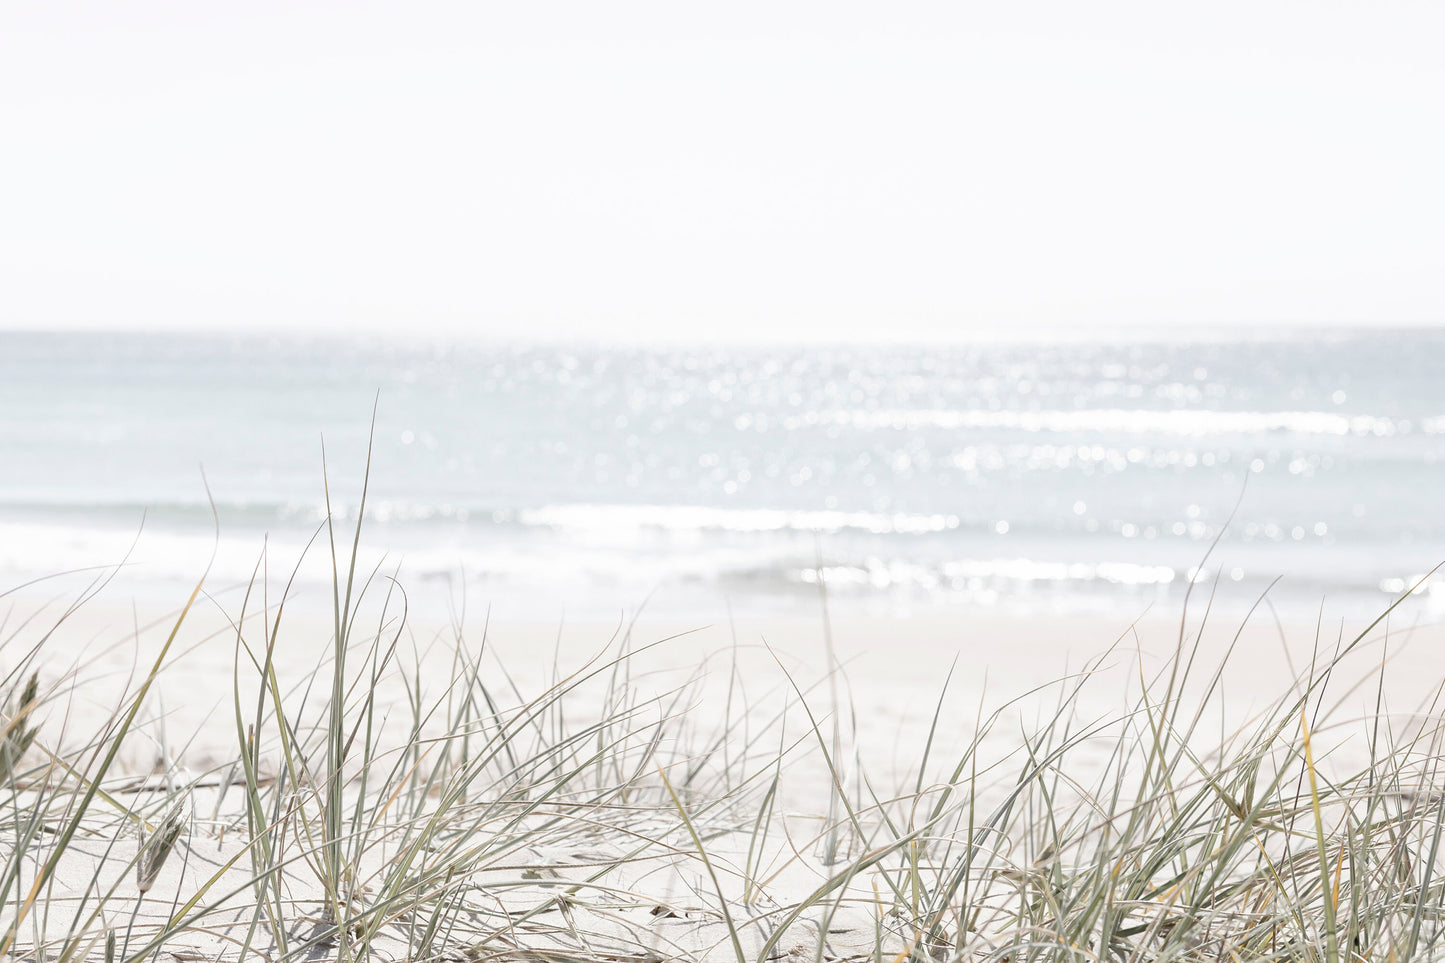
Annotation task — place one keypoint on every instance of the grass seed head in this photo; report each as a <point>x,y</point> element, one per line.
<point>16,732</point>
<point>155,848</point>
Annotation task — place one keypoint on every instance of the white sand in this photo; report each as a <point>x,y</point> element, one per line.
<point>892,671</point>
<point>890,683</point>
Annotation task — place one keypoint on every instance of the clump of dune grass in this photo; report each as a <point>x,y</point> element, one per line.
<point>370,812</point>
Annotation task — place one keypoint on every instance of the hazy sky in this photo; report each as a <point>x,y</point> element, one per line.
<point>737,169</point>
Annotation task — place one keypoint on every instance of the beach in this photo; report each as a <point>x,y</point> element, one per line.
<point>637,654</point>
<point>722,483</point>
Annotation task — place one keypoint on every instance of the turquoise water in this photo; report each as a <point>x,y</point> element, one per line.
<point>915,478</point>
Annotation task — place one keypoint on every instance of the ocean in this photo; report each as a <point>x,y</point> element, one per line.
<point>549,481</point>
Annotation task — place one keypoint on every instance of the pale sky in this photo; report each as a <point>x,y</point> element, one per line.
<point>726,170</point>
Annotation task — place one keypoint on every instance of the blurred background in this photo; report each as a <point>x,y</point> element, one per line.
<point>948,306</point>
<point>1027,478</point>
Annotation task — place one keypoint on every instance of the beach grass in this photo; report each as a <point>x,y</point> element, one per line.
<point>405,802</point>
